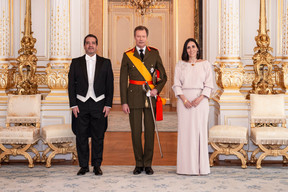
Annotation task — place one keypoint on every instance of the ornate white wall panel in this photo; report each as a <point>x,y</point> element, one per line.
<point>40,26</point>
<point>60,29</point>
<point>250,24</point>
<point>284,29</point>
<point>5,29</point>
<point>230,28</point>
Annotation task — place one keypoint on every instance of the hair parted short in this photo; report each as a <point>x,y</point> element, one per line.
<point>90,35</point>
<point>141,28</point>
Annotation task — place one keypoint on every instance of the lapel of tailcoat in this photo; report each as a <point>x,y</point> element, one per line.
<point>99,63</point>
<point>84,67</point>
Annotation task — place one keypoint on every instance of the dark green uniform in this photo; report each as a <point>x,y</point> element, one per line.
<point>135,97</point>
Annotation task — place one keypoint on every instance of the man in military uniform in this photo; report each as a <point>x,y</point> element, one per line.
<point>140,64</point>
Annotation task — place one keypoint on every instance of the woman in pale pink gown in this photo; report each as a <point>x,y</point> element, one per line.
<point>193,83</point>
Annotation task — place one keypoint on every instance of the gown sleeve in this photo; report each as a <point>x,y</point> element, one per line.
<point>208,83</point>
<point>177,87</point>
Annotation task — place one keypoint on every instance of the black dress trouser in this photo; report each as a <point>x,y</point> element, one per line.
<point>90,123</point>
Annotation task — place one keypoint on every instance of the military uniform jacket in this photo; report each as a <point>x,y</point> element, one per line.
<point>134,95</point>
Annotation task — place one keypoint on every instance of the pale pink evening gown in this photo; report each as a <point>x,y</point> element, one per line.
<point>192,146</point>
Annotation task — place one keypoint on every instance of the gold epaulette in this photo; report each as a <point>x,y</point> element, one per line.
<point>130,49</point>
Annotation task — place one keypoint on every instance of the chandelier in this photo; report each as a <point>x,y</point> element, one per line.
<point>142,6</point>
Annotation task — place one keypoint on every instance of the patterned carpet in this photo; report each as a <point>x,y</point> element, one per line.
<point>169,122</point>
<point>120,178</point>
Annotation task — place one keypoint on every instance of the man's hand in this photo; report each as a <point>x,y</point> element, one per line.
<point>106,110</point>
<point>125,108</point>
<point>75,111</point>
<point>153,92</point>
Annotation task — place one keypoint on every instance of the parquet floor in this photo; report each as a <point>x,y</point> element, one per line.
<point>118,148</point>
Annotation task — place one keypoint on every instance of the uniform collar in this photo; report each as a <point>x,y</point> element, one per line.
<point>138,49</point>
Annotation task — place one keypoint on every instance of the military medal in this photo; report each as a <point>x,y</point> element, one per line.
<point>152,70</point>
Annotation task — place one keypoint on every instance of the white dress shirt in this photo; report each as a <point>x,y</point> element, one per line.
<point>91,65</point>
<point>138,49</point>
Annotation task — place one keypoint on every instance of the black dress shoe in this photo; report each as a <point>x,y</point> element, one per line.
<point>83,171</point>
<point>149,171</point>
<point>137,170</point>
<point>97,171</point>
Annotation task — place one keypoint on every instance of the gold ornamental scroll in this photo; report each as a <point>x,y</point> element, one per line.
<point>27,61</point>
<point>262,59</point>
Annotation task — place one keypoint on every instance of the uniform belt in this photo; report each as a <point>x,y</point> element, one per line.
<point>134,82</point>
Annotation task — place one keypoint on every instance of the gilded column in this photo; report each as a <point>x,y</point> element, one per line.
<point>60,51</point>
<point>229,69</point>
<point>283,75</point>
<point>4,45</point>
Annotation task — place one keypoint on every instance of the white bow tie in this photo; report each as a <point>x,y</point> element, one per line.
<point>88,58</point>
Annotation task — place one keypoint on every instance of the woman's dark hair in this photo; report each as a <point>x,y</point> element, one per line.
<point>90,35</point>
<point>185,56</point>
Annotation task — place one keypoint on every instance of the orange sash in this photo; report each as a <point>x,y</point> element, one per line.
<point>147,76</point>
<point>140,67</point>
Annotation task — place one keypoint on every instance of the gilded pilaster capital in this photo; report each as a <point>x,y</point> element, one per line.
<point>57,75</point>
<point>229,75</point>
